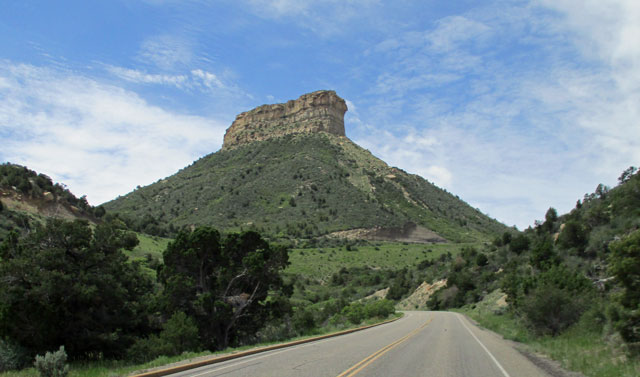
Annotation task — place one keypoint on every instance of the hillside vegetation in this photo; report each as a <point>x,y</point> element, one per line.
<point>570,278</point>
<point>27,197</point>
<point>300,186</point>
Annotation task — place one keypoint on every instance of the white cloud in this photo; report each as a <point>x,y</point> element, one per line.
<point>208,79</point>
<point>512,137</point>
<point>138,76</point>
<point>99,139</point>
<point>196,79</point>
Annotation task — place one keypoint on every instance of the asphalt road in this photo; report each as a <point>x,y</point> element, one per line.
<point>420,344</point>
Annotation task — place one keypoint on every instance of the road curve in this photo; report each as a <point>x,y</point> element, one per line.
<point>422,343</point>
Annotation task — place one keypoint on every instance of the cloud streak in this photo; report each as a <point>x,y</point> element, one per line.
<point>97,138</point>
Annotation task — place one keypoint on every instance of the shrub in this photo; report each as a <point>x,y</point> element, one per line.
<point>625,266</point>
<point>303,321</point>
<point>147,349</point>
<point>52,364</point>
<point>180,333</point>
<point>550,310</point>
<point>519,244</point>
<point>379,308</point>
<point>354,313</point>
<point>12,356</point>
<point>554,300</point>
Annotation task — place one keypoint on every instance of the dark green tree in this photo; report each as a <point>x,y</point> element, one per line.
<point>573,235</point>
<point>229,286</point>
<point>66,284</point>
<point>543,256</point>
<point>519,243</point>
<point>625,266</point>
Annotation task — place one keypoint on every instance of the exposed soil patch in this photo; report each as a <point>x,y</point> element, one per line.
<point>410,232</point>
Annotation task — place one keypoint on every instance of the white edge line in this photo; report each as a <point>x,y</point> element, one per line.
<point>504,372</point>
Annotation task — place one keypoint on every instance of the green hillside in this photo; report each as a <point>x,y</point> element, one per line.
<point>27,197</point>
<point>301,186</point>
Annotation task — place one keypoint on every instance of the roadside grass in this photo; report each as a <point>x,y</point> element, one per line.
<point>115,368</point>
<point>321,263</point>
<point>581,348</point>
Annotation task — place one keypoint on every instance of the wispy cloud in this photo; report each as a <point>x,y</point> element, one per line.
<point>196,79</point>
<point>138,76</point>
<point>99,139</point>
<point>166,51</point>
<point>323,17</point>
<point>512,136</point>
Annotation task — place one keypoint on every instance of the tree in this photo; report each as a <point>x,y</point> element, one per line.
<point>573,235</point>
<point>551,216</point>
<point>506,238</point>
<point>66,284</point>
<point>625,266</point>
<point>519,244</point>
<point>551,301</point>
<point>230,287</point>
<point>543,256</point>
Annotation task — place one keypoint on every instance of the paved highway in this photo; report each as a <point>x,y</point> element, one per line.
<point>419,344</point>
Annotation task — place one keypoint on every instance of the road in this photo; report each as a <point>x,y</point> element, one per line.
<point>430,344</point>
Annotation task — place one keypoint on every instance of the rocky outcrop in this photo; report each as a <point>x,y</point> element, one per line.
<point>421,295</point>
<point>321,111</point>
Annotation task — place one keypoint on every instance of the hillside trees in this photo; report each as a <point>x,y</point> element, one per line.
<point>66,284</point>
<point>230,286</point>
<point>625,266</point>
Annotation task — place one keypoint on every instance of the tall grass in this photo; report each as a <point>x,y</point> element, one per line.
<point>583,348</point>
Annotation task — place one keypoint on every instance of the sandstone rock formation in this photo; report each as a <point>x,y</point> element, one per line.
<point>321,111</point>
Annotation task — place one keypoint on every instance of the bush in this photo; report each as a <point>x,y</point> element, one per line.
<point>379,308</point>
<point>303,321</point>
<point>550,310</point>
<point>12,356</point>
<point>554,300</point>
<point>354,313</point>
<point>147,349</point>
<point>625,266</point>
<point>180,332</point>
<point>52,364</point>
<point>519,244</point>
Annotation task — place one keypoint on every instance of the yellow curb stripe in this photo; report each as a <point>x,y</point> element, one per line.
<point>357,368</point>
<point>219,359</point>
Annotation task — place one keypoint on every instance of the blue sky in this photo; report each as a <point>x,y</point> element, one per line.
<point>515,106</point>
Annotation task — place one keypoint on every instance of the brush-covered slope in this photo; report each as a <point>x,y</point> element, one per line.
<point>303,185</point>
<point>26,196</point>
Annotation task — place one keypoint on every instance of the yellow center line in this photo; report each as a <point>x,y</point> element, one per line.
<point>374,356</point>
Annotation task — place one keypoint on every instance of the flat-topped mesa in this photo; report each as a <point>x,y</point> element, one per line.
<point>321,111</point>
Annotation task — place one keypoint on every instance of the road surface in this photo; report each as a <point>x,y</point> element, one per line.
<point>430,344</point>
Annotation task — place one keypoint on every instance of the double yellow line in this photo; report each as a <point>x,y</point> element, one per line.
<point>374,356</point>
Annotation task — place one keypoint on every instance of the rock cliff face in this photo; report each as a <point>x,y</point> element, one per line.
<point>321,111</point>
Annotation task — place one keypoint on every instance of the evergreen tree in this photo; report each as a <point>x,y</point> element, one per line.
<point>66,284</point>
<point>230,287</point>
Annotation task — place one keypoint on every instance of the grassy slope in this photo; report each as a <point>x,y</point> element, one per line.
<point>321,263</point>
<point>301,187</point>
<point>580,348</point>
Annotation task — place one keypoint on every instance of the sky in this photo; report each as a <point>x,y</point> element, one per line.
<point>513,105</point>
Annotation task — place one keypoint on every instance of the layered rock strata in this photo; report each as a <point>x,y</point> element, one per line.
<point>321,111</point>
